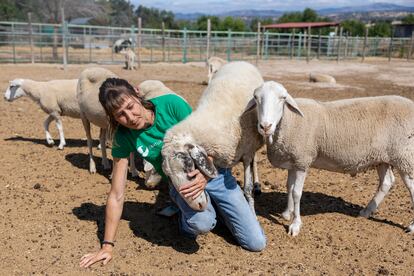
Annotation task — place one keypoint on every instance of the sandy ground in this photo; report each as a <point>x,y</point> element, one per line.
<point>52,209</point>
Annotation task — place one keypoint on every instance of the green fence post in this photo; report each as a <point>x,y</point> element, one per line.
<point>228,45</point>
<point>267,45</point>
<point>300,45</point>
<point>13,43</point>
<point>185,46</point>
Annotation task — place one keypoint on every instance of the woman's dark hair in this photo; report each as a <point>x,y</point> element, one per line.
<point>112,95</point>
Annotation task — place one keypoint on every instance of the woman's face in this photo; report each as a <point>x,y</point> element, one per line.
<point>133,115</point>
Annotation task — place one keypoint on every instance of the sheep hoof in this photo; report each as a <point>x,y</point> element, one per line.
<point>286,215</point>
<point>365,213</point>
<point>134,173</point>
<point>256,189</point>
<point>410,229</point>
<point>61,147</point>
<point>92,167</point>
<point>50,142</point>
<point>294,229</point>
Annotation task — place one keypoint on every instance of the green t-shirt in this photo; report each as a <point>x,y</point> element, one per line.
<point>169,110</point>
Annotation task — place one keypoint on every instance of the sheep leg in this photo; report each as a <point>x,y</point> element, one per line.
<point>289,189</point>
<point>248,184</point>
<point>102,140</point>
<point>299,179</point>
<point>99,146</point>
<point>59,126</point>
<point>386,180</point>
<point>46,124</point>
<point>409,182</point>
<point>132,167</point>
<point>256,186</point>
<point>87,127</point>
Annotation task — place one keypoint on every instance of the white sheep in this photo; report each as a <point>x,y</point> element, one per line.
<point>151,89</point>
<point>56,98</point>
<point>130,59</point>
<point>218,129</point>
<point>316,77</point>
<point>92,111</point>
<point>347,136</point>
<point>214,64</point>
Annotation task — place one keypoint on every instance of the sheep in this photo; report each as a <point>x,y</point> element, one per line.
<point>153,88</point>
<point>121,44</point>
<point>347,136</point>
<point>316,77</point>
<point>92,111</point>
<point>56,98</point>
<point>217,129</point>
<point>150,89</point>
<point>214,64</point>
<point>130,59</point>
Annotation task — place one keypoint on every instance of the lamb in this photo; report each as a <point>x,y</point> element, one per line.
<point>347,136</point>
<point>214,64</point>
<point>217,129</point>
<point>56,98</point>
<point>316,77</point>
<point>130,59</point>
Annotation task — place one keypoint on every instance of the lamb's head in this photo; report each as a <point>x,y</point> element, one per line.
<point>271,98</point>
<point>14,90</point>
<point>179,159</point>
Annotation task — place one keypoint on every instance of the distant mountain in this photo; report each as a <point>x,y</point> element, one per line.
<point>375,7</point>
<point>188,16</point>
<point>387,10</point>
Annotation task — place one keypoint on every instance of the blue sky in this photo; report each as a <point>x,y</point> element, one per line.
<point>217,6</point>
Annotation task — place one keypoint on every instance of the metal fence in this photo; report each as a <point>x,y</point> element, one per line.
<point>47,43</point>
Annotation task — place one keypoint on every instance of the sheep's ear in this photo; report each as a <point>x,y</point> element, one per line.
<point>250,106</point>
<point>292,104</point>
<point>166,167</point>
<point>201,160</point>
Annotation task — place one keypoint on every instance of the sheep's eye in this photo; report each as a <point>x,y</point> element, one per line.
<point>283,98</point>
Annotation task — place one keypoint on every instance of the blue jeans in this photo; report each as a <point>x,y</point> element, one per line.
<point>231,205</point>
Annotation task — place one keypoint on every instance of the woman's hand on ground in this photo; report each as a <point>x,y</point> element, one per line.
<point>104,254</point>
<point>195,187</point>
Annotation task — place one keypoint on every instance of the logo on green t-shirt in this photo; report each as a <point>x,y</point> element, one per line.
<point>144,153</point>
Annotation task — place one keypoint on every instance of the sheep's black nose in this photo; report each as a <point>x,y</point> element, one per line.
<point>265,126</point>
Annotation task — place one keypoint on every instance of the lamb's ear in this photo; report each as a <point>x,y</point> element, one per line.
<point>201,160</point>
<point>250,106</point>
<point>292,104</point>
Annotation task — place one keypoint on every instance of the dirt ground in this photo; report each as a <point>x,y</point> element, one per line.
<point>52,209</point>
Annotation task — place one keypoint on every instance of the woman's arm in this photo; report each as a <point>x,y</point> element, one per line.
<point>113,212</point>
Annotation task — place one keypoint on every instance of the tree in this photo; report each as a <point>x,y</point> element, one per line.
<point>409,19</point>
<point>231,23</point>
<point>309,15</point>
<point>201,23</point>
<point>122,13</point>
<point>290,17</point>
<point>353,27</point>
<point>9,11</point>
<point>381,28</point>
<point>263,21</point>
<point>153,18</point>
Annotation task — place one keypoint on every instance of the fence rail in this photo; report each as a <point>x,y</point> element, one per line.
<point>22,42</point>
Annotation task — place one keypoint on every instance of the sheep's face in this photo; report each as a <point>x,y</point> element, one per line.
<point>181,160</point>
<point>14,90</point>
<point>270,99</point>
